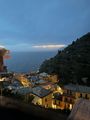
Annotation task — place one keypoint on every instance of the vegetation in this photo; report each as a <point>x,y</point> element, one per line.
<point>72,65</point>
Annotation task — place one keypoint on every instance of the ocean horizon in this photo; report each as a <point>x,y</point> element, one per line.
<point>25,62</point>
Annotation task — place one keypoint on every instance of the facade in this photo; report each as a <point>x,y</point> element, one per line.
<point>58,101</point>
<point>24,92</point>
<point>42,97</point>
<point>71,93</point>
<point>24,81</point>
<point>45,101</point>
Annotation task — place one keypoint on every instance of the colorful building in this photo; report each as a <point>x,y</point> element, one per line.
<point>42,97</point>
<point>71,93</point>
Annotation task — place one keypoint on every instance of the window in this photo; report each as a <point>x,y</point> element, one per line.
<point>67,91</point>
<point>70,92</point>
<point>60,98</point>
<point>55,101</point>
<point>86,96</point>
<point>71,100</point>
<point>68,105</point>
<point>80,95</point>
<point>45,99</point>
<point>65,99</point>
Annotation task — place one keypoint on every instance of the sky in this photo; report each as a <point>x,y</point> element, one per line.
<point>34,25</point>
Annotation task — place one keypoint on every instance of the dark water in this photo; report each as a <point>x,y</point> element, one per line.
<point>27,61</point>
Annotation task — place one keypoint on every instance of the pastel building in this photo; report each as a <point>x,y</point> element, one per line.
<point>71,93</point>
<point>42,97</point>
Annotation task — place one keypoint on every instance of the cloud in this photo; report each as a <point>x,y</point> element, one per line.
<point>1,46</point>
<point>49,46</point>
<point>30,47</point>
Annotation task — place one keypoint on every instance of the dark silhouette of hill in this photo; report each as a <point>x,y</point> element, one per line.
<point>72,65</point>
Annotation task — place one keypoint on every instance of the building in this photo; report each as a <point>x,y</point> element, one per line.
<point>52,78</point>
<point>71,93</point>
<point>42,97</point>
<point>58,102</point>
<point>43,76</point>
<point>23,92</point>
<point>24,80</point>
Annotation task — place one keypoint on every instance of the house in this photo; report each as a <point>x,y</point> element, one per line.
<point>78,91</point>
<point>57,101</point>
<point>42,97</point>
<point>72,93</point>
<point>24,92</point>
<point>43,76</point>
<point>40,82</point>
<point>24,80</point>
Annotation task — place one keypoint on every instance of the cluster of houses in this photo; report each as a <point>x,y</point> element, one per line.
<point>45,90</point>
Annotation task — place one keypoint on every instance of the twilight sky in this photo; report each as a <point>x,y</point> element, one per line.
<point>32,25</point>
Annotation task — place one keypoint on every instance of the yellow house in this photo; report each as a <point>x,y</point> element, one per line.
<point>42,97</point>
<point>71,93</point>
<point>57,101</point>
<point>78,91</point>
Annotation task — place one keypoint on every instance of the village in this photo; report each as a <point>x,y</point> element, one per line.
<point>43,90</point>
<point>40,89</point>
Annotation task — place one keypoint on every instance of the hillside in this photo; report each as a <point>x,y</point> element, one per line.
<point>72,65</point>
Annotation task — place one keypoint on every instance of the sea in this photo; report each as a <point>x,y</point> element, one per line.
<point>25,62</point>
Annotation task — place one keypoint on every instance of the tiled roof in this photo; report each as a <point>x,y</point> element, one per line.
<point>41,81</point>
<point>77,88</point>
<point>24,90</point>
<point>41,92</point>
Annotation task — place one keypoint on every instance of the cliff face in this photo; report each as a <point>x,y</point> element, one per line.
<point>71,64</point>
<point>81,110</point>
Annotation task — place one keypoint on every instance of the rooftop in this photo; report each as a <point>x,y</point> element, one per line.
<point>43,74</point>
<point>23,90</point>
<point>77,88</point>
<point>40,91</point>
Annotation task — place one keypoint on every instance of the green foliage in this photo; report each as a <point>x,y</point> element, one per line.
<point>71,64</point>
